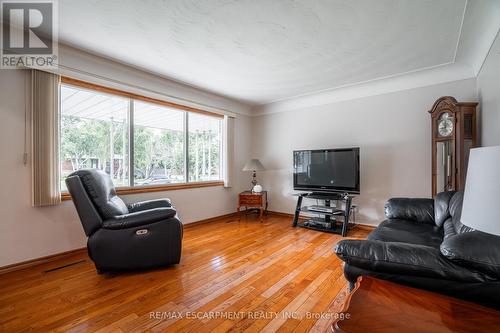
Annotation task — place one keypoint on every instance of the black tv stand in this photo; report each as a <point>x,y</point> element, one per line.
<point>333,195</point>
<point>325,221</point>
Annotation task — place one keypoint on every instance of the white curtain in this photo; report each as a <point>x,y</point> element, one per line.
<point>45,138</point>
<point>228,145</point>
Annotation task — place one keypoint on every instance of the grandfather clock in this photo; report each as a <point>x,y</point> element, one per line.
<point>454,133</point>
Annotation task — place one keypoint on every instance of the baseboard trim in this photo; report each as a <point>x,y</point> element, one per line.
<point>366,227</point>
<point>38,261</point>
<point>270,212</point>
<point>209,220</point>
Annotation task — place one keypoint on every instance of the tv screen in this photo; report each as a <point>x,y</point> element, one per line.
<point>326,170</point>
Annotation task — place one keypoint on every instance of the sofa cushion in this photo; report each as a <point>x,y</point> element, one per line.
<point>448,228</point>
<point>404,231</point>
<point>455,204</point>
<point>403,259</point>
<point>441,207</point>
<point>452,225</point>
<point>475,250</point>
<point>418,210</point>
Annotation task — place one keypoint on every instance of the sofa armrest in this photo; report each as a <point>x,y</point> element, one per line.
<point>419,210</point>
<point>402,258</point>
<point>475,250</point>
<point>148,204</point>
<point>139,218</point>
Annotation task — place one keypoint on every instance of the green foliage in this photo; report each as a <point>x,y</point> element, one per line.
<point>158,149</point>
<point>157,152</point>
<point>204,156</point>
<point>83,139</point>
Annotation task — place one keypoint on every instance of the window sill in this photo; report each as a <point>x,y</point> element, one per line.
<point>158,188</point>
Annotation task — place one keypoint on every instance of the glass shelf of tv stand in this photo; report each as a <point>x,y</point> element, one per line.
<point>331,226</point>
<point>336,212</point>
<point>336,217</point>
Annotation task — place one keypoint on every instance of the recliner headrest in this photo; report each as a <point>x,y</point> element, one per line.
<point>101,191</point>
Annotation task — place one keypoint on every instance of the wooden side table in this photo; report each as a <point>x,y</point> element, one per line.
<point>249,199</point>
<point>379,306</point>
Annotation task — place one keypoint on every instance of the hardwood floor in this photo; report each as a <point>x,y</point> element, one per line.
<point>239,276</point>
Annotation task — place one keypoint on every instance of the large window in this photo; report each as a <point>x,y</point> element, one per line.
<point>137,142</point>
<point>159,140</point>
<point>94,133</point>
<point>204,148</point>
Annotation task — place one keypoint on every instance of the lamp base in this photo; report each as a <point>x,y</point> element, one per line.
<point>254,180</point>
<point>257,189</point>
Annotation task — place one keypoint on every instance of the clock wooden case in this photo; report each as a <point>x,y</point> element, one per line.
<point>454,133</point>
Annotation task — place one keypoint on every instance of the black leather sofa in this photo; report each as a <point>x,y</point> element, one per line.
<point>141,235</point>
<point>423,244</point>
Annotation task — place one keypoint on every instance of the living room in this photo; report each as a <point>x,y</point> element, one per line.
<point>198,118</point>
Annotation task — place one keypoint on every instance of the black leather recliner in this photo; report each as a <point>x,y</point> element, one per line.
<point>142,235</point>
<point>423,244</point>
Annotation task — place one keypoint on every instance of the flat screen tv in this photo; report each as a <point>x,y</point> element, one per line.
<point>326,170</point>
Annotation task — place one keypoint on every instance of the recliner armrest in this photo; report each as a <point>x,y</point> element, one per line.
<point>402,258</point>
<point>139,218</point>
<point>148,204</point>
<point>419,210</point>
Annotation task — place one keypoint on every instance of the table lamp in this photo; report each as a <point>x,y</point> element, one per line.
<point>254,165</point>
<point>481,207</point>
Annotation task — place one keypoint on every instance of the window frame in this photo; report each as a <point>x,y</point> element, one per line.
<point>136,97</point>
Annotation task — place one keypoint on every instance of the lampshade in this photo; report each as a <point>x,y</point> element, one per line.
<point>481,205</point>
<point>253,165</point>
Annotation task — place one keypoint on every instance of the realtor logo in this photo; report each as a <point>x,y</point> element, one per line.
<point>29,34</point>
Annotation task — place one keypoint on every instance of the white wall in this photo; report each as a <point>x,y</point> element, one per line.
<point>27,232</point>
<point>488,84</point>
<point>393,131</point>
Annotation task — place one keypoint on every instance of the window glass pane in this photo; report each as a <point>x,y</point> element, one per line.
<point>205,144</point>
<point>158,144</point>
<point>94,133</point>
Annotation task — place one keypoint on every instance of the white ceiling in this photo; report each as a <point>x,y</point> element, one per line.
<point>263,51</point>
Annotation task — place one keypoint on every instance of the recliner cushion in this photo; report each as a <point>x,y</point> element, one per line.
<point>139,218</point>
<point>148,204</point>
<point>404,231</point>
<point>101,191</point>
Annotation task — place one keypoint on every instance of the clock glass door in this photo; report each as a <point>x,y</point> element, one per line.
<point>444,167</point>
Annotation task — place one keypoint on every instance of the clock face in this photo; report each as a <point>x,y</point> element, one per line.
<point>445,124</point>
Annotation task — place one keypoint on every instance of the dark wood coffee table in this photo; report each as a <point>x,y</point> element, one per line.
<point>379,306</point>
